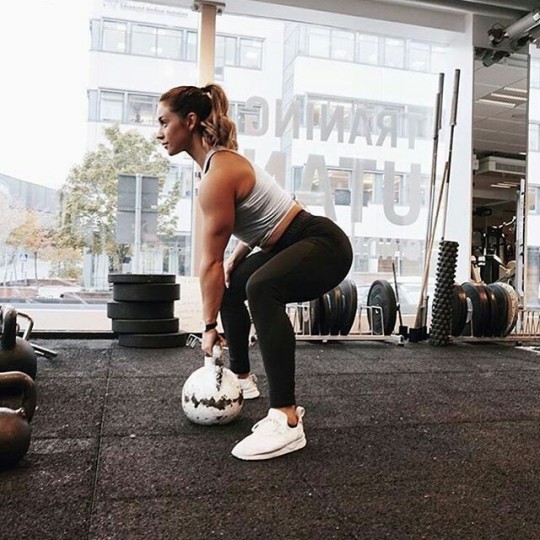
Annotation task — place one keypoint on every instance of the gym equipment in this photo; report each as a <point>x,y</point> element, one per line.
<point>441,314</point>
<point>459,310</point>
<point>15,432</point>
<point>419,331</point>
<point>16,354</point>
<point>142,310</point>
<point>403,330</point>
<point>141,278</point>
<point>146,292</point>
<point>350,305</point>
<point>146,326</point>
<point>499,315</point>
<point>139,310</point>
<point>212,393</point>
<point>512,298</point>
<point>381,294</point>
<point>481,309</point>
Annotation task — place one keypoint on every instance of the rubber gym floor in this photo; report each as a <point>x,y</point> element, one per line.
<point>403,442</point>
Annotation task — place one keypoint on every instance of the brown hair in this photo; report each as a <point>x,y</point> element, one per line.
<point>211,106</point>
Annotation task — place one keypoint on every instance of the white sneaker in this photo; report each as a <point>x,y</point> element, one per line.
<point>272,437</point>
<point>249,387</point>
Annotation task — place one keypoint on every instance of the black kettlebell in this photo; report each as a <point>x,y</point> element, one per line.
<point>16,354</point>
<point>15,424</point>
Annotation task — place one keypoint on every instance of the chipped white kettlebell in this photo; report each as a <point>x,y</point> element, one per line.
<point>212,393</point>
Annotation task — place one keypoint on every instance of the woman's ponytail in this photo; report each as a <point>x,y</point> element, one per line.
<point>217,128</point>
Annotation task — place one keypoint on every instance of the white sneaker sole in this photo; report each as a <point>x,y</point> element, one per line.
<point>291,447</point>
<point>254,394</point>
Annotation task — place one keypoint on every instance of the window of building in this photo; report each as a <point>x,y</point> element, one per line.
<point>319,42</point>
<point>169,43</point>
<point>250,53</point>
<point>141,109</point>
<point>342,45</point>
<point>368,49</point>
<point>394,52</point>
<point>114,36</point>
<point>143,40</point>
<point>419,56</point>
<point>111,106</point>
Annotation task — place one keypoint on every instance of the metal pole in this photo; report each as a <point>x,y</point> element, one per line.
<point>138,223</point>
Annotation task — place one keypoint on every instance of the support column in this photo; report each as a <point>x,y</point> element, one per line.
<point>207,56</point>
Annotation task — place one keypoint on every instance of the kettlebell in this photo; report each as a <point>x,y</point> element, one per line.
<point>16,354</point>
<point>212,393</point>
<point>15,424</point>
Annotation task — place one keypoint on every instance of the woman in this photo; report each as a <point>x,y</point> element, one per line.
<point>299,257</point>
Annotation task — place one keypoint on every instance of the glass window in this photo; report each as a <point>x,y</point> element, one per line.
<point>169,43</point>
<point>394,50</point>
<point>319,42</point>
<point>111,106</point>
<point>368,49</point>
<point>114,36</point>
<point>143,40</point>
<point>419,55</point>
<point>191,46</point>
<point>438,58</point>
<point>250,53</point>
<point>141,109</point>
<point>343,45</point>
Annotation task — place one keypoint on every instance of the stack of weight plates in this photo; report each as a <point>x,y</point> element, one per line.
<point>142,310</point>
<point>491,310</point>
<point>334,312</point>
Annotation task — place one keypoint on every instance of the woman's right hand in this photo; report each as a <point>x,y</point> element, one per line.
<point>211,338</point>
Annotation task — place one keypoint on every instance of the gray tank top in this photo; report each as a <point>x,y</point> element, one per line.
<point>258,214</point>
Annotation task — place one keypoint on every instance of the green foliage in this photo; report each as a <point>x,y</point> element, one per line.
<point>89,196</point>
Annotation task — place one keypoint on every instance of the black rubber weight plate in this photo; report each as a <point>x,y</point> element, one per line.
<point>146,326</point>
<point>146,292</point>
<point>153,341</point>
<point>336,310</point>
<point>350,305</point>
<point>315,316</point>
<point>479,301</point>
<point>499,318</point>
<point>459,310</point>
<point>140,310</point>
<point>489,328</point>
<point>142,278</point>
<point>381,294</point>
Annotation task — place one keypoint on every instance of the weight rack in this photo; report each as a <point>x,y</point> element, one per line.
<point>300,315</point>
<point>527,328</point>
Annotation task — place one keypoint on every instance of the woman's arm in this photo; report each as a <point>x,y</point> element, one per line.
<point>239,254</point>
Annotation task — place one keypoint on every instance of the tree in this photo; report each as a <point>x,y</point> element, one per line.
<point>32,236</point>
<point>89,196</point>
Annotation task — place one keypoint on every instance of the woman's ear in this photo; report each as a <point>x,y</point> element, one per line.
<point>191,121</point>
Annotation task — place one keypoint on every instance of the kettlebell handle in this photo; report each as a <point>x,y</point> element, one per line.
<point>8,339</point>
<point>23,382</point>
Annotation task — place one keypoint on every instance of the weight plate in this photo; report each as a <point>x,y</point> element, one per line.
<point>140,310</point>
<point>381,294</point>
<point>326,313</point>
<point>350,305</point>
<point>513,306</point>
<point>146,292</point>
<point>153,341</point>
<point>336,310</point>
<point>500,317</point>
<point>315,316</point>
<point>142,278</point>
<point>490,319</point>
<point>459,310</point>
<point>146,326</point>
<point>478,297</point>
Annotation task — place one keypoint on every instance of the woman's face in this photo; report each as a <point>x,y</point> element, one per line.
<point>175,133</point>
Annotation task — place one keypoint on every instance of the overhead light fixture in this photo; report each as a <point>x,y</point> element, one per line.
<point>516,31</point>
<point>497,102</point>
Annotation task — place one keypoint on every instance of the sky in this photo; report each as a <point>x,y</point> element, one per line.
<point>44,49</point>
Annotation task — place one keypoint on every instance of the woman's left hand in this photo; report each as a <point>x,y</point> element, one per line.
<point>211,338</point>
